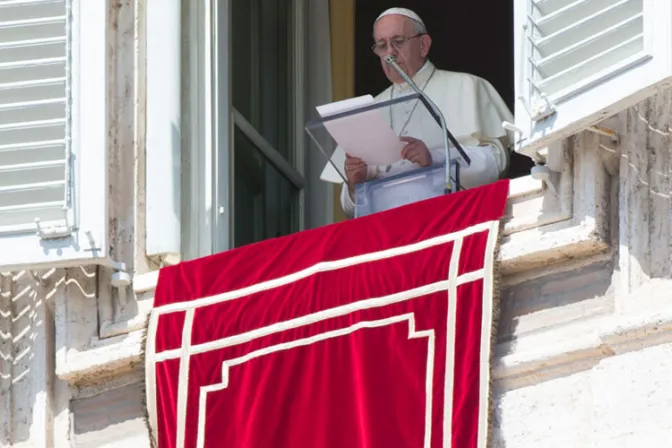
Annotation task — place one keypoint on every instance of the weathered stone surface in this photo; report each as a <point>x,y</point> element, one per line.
<point>111,419</point>
<point>584,357</point>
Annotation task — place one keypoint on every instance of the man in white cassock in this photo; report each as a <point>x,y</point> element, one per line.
<point>473,110</point>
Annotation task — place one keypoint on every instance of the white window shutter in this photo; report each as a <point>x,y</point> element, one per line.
<point>580,61</point>
<point>53,182</point>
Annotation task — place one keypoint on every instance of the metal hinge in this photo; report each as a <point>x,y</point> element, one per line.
<point>54,231</point>
<point>542,109</point>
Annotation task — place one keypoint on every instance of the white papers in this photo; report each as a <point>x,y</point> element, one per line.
<point>365,135</point>
<point>329,173</point>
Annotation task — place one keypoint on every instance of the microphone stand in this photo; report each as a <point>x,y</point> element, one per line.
<point>441,121</point>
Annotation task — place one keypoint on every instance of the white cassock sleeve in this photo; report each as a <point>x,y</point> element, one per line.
<point>346,202</point>
<point>483,169</point>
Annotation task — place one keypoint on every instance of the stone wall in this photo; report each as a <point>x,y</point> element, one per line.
<point>585,338</point>
<point>585,352</point>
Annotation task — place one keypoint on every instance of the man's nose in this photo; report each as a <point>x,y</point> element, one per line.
<point>390,51</point>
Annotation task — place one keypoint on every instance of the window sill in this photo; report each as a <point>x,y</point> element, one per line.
<point>555,235</point>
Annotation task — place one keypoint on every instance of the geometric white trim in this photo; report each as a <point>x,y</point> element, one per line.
<point>450,285</point>
<point>450,342</point>
<point>412,334</point>
<point>323,266</point>
<point>308,319</point>
<point>486,335</point>
<point>182,391</point>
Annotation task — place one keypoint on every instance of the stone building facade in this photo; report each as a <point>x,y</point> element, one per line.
<point>584,350</point>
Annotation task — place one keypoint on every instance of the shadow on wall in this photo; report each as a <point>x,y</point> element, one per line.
<point>107,418</point>
<point>640,202</point>
<point>27,353</point>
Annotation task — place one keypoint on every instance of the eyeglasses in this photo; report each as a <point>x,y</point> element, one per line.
<point>397,43</point>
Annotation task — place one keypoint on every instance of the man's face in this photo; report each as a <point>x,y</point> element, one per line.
<point>410,55</point>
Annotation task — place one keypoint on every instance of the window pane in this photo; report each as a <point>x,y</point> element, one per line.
<point>261,68</point>
<point>265,202</point>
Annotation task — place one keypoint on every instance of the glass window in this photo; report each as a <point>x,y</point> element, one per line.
<point>261,68</point>
<point>266,201</point>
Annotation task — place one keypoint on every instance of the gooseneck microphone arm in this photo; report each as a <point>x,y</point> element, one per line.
<point>440,119</point>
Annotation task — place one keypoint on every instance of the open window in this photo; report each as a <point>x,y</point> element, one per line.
<point>580,61</point>
<point>488,54</point>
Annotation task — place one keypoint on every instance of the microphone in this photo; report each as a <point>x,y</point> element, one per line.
<point>440,119</point>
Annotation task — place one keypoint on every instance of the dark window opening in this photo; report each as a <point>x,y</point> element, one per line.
<point>474,37</point>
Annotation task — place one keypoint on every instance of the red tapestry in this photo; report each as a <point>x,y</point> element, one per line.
<point>374,332</point>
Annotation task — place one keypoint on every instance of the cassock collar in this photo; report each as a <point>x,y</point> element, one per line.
<point>420,78</point>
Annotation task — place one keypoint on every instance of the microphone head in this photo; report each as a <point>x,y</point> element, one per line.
<point>389,59</point>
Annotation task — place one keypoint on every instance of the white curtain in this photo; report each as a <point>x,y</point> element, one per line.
<point>319,194</point>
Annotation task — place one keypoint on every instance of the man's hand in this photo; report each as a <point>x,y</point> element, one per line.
<point>416,151</point>
<point>355,172</point>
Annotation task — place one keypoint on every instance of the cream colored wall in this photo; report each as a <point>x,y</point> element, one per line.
<point>342,65</point>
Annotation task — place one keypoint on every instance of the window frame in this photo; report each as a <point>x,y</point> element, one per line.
<point>292,169</point>
<point>208,147</point>
<point>85,241</point>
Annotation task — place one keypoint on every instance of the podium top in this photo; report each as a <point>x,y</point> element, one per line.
<point>363,131</point>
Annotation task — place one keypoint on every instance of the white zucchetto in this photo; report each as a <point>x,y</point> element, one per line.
<point>402,12</point>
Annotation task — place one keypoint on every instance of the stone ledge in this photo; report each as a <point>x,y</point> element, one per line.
<point>119,346</point>
<point>103,358</point>
<point>529,206</point>
<point>144,283</point>
<point>567,349</point>
<point>118,350</point>
<point>531,249</point>
<point>524,361</point>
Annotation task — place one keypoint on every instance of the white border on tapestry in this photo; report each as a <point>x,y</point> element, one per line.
<point>412,334</point>
<point>486,336</point>
<point>186,350</point>
<point>448,389</point>
<point>324,266</point>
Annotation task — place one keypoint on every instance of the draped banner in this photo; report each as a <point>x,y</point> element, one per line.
<point>375,332</point>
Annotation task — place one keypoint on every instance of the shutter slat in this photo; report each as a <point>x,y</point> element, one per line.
<point>33,124</point>
<point>13,175</point>
<point>8,3</point>
<point>33,83</point>
<point>34,63</point>
<point>548,7</point>
<point>35,206</point>
<point>31,145</point>
<point>30,187</point>
<point>33,111</point>
<point>575,11</point>
<point>31,22</point>
<point>30,104</point>
<point>22,217</point>
<point>28,166</point>
<point>32,42</point>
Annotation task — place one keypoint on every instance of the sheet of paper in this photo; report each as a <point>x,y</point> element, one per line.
<point>329,173</point>
<point>365,135</point>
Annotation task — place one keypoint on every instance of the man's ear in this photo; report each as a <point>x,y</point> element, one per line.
<point>426,45</point>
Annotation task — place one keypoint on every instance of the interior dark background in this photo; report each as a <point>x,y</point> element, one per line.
<point>474,36</point>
